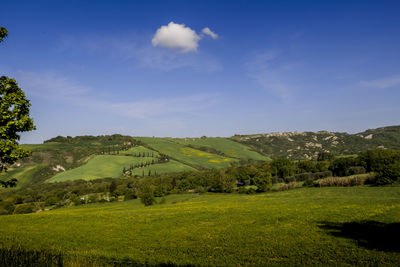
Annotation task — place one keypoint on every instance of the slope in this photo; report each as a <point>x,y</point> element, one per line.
<point>222,146</point>
<point>309,226</point>
<point>307,145</point>
<point>187,155</point>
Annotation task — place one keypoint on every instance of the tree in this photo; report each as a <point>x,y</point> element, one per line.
<point>263,181</point>
<point>3,33</point>
<point>14,118</point>
<point>146,194</point>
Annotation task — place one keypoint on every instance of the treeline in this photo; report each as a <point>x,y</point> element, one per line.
<point>159,158</point>
<point>385,164</point>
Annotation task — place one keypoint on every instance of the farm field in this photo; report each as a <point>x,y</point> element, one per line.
<point>306,226</point>
<point>228,147</point>
<point>193,157</point>
<point>160,168</point>
<point>24,175</point>
<point>139,149</point>
<point>100,166</point>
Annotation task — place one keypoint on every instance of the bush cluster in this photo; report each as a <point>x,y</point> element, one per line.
<point>344,181</point>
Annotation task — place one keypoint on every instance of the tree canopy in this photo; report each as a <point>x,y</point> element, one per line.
<point>3,33</point>
<point>14,118</point>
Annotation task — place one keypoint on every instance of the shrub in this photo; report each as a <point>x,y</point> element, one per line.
<point>52,201</point>
<point>130,194</point>
<point>263,181</point>
<point>356,170</point>
<point>242,190</point>
<point>343,181</point>
<point>288,186</point>
<point>309,183</point>
<point>251,190</point>
<point>388,175</point>
<point>24,208</point>
<point>146,194</point>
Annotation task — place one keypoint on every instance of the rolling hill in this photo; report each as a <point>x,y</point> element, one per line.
<point>307,145</point>
<point>92,157</point>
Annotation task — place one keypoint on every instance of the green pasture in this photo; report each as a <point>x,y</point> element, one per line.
<point>228,147</point>
<point>139,149</point>
<point>337,226</point>
<point>24,174</point>
<point>100,166</point>
<point>187,155</point>
<point>160,168</point>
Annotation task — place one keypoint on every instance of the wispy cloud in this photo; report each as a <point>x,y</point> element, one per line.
<point>271,73</point>
<point>382,83</point>
<point>59,88</point>
<point>50,85</point>
<point>137,51</point>
<point>209,32</point>
<point>157,107</point>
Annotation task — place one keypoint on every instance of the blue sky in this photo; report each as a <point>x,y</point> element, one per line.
<point>149,68</point>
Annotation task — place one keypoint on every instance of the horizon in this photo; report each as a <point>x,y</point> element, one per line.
<point>203,68</point>
<point>228,136</point>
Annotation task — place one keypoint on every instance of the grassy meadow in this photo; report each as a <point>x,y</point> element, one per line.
<point>193,157</point>
<point>307,226</point>
<point>171,166</point>
<point>100,166</point>
<point>228,147</point>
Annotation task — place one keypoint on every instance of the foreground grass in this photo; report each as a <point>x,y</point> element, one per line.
<point>307,226</point>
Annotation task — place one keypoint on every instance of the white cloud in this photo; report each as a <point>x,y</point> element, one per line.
<point>180,37</point>
<point>382,83</point>
<point>210,33</point>
<point>176,36</point>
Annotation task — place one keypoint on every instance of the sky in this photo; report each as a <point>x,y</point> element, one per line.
<point>194,68</point>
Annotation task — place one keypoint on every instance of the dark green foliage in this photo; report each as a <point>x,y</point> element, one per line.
<point>341,166</point>
<point>146,194</point>
<point>24,208</point>
<point>53,200</point>
<point>282,168</point>
<point>325,156</point>
<point>312,176</point>
<point>10,183</point>
<point>309,182</point>
<point>16,256</point>
<point>263,181</point>
<point>356,170</point>
<point>3,33</point>
<point>14,118</point>
<point>385,163</point>
<point>113,186</point>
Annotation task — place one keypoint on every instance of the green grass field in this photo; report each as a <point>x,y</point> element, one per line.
<point>335,226</point>
<point>190,156</point>
<point>228,147</point>
<point>139,149</point>
<point>160,168</point>
<point>100,166</point>
<point>24,174</point>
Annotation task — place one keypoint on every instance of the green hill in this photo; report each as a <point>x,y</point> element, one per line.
<point>342,226</point>
<point>193,157</point>
<point>307,145</point>
<point>222,146</point>
<point>92,157</point>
